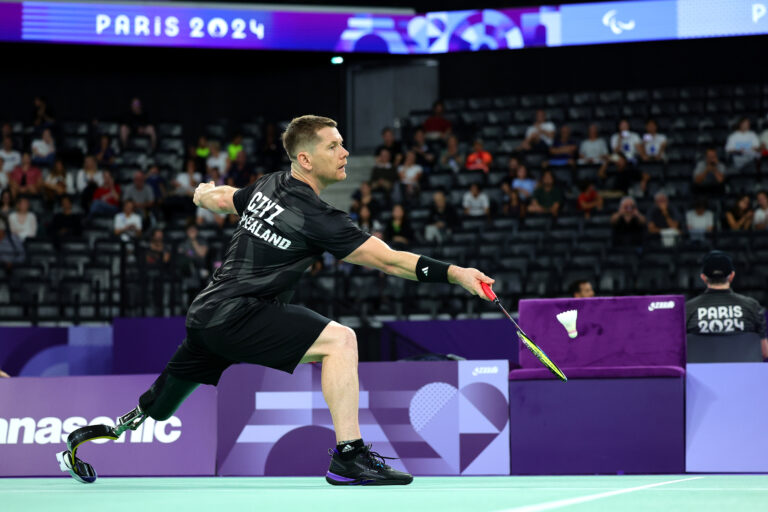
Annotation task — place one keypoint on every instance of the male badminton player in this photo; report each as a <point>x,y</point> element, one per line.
<point>243,315</point>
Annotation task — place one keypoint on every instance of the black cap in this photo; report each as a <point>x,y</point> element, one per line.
<point>717,264</point>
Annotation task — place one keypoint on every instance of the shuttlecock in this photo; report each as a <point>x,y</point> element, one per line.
<point>568,320</point>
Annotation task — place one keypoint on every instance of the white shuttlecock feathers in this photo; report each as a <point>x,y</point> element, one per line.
<point>568,320</point>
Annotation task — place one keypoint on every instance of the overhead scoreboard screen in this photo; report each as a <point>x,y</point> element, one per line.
<point>377,31</point>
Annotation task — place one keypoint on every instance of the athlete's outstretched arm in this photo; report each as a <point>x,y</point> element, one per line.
<point>377,254</point>
<point>216,199</point>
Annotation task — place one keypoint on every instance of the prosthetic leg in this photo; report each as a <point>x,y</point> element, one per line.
<point>159,402</point>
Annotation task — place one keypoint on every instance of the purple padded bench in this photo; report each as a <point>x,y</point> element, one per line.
<point>622,409</point>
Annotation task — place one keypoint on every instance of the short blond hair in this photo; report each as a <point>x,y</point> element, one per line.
<point>301,133</point>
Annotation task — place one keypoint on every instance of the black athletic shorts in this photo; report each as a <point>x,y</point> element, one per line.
<point>266,333</point>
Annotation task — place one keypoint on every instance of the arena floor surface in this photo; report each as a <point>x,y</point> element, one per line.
<point>733,493</point>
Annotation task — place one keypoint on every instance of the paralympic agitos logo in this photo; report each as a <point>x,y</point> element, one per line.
<point>53,430</point>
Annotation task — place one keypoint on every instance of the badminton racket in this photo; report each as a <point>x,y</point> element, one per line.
<point>535,350</point>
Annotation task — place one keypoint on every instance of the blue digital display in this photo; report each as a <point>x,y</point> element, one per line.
<point>261,28</point>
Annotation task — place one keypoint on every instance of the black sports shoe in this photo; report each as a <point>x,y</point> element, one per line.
<point>367,468</point>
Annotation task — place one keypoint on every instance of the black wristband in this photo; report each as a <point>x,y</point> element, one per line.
<point>429,270</point>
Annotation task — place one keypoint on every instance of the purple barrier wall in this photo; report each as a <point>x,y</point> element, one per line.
<point>37,414</point>
<point>20,344</point>
<point>460,337</point>
<point>726,418</point>
<point>612,332</point>
<point>144,345</point>
<point>592,426</point>
<point>439,418</point>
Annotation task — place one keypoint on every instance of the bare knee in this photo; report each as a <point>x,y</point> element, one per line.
<point>347,342</point>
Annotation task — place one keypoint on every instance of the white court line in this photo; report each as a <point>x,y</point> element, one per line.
<point>550,505</point>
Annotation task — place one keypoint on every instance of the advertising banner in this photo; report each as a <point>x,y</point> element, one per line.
<point>438,418</point>
<point>37,415</point>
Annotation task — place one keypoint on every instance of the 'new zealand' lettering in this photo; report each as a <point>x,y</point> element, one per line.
<point>259,207</point>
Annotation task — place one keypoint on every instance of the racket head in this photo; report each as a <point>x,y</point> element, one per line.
<point>541,356</point>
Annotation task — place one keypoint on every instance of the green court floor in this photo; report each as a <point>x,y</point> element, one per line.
<point>722,493</point>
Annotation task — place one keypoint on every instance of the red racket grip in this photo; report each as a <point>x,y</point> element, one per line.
<point>488,292</point>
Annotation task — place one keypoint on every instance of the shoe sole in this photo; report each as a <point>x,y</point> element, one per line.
<point>334,479</point>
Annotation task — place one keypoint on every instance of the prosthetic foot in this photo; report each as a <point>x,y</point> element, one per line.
<point>81,470</point>
<point>159,402</point>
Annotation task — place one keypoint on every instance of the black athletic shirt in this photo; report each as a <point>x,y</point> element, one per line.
<point>723,312</point>
<point>283,227</point>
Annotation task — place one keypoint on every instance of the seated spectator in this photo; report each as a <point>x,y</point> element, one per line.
<point>66,223</point>
<point>106,198</point>
<point>191,254</point>
<point>368,224</point>
<point>384,175</point>
<point>479,159</point>
<point>739,216</point>
<point>105,153</point>
<point>436,126</point>
<point>512,205</point>
<point>654,145</point>
<point>398,231</point>
<point>538,136</point>
<point>563,150</point>
<point>512,165</point>
<point>523,184</point>
<point>394,147</point>
<point>157,253</point>
<point>25,179</point>
<point>137,122</point>
<point>58,183</point>
<point>410,174</point>
<point>625,177</point>
<point>589,199</point>
<point>547,198</point>
<point>218,159</point>
<point>201,153</point>
<point>44,149</point>
<point>6,203</point>
<point>22,222</point>
<point>700,220</point>
<point>11,248</point>
<point>628,224</point>
<point>763,148</point>
<point>452,159</point>
<point>128,222</point>
<point>475,202</point>
<point>663,219</point>
<point>581,289</point>
<point>760,219</point>
<point>157,183</point>
<point>207,218</point>
<point>593,150</point>
<point>625,142</point>
<point>743,145</point>
<point>442,219</point>
<point>215,176</point>
<point>424,156</point>
<point>3,176</point>
<point>185,183</point>
<point>141,194</point>
<point>42,116</point>
<point>87,180</point>
<point>11,157</point>
<point>240,174</point>
<point>709,175</point>
<point>235,147</point>
<point>363,197</point>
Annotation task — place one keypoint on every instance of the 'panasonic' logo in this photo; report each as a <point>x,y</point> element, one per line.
<point>485,370</point>
<point>51,430</point>
<point>661,305</point>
